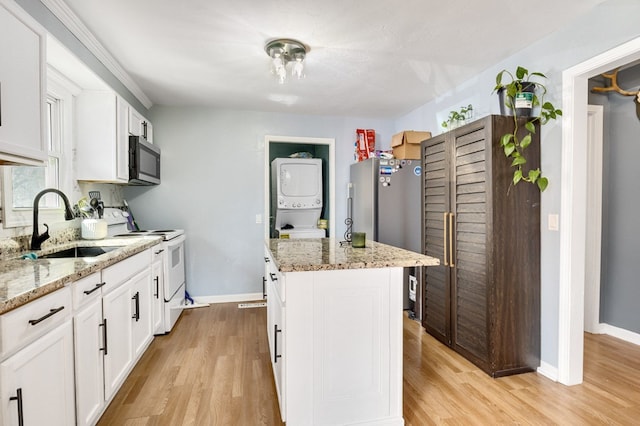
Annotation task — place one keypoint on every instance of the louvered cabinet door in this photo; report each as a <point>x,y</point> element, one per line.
<point>436,195</point>
<point>484,298</point>
<point>469,272</point>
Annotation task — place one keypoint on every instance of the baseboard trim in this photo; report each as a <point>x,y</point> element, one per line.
<point>227,298</point>
<point>548,371</point>
<point>620,333</point>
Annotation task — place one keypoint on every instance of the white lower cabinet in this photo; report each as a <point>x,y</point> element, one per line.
<point>65,355</point>
<point>127,313</point>
<point>275,330</point>
<point>118,356</point>
<point>112,324</point>
<point>278,355</point>
<point>335,341</point>
<point>37,382</point>
<point>89,351</point>
<point>141,318</point>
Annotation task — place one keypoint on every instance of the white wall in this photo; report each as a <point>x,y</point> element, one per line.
<point>213,186</point>
<point>608,25</point>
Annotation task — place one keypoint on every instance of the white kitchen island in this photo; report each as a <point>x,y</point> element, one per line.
<point>335,330</point>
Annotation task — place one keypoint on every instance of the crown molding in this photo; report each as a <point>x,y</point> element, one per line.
<point>70,20</point>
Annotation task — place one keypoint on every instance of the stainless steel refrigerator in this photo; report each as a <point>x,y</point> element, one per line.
<point>385,203</point>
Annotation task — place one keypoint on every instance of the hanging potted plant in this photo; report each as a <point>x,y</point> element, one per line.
<point>521,96</point>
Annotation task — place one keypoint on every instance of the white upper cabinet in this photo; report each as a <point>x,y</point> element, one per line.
<point>104,122</point>
<point>102,137</point>
<point>22,87</point>
<point>139,126</point>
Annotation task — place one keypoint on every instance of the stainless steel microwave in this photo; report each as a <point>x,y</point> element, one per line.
<point>144,162</point>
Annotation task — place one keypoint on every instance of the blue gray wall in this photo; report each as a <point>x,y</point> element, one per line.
<point>575,43</point>
<point>619,289</point>
<point>213,186</point>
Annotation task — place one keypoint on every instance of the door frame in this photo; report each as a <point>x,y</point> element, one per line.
<point>331,167</point>
<point>595,145</point>
<point>573,205</point>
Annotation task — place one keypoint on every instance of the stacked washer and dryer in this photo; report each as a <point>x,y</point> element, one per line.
<point>296,197</point>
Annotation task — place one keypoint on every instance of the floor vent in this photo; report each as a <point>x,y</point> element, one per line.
<point>252,305</point>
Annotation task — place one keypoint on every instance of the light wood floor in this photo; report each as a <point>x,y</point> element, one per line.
<point>214,369</point>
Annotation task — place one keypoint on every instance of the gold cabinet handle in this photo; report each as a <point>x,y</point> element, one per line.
<point>451,240</point>
<point>444,239</point>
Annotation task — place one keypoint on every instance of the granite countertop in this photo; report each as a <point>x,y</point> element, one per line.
<point>23,280</point>
<point>322,254</point>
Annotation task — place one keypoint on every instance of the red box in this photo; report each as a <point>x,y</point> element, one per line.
<point>365,143</point>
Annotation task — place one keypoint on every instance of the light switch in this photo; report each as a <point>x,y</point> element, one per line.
<point>553,222</point>
<point>258,218</point>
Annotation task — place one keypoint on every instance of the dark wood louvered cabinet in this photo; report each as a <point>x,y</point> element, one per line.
<point>484,299</point>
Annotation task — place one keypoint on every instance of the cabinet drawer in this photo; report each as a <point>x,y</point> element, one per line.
<point>157,252</point>
<point>24,324</point>
<point>276,278</point>
<point>117,274</point>
<point>86,290</point>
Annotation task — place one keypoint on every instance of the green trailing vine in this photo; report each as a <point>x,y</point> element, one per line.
<point>521,86</point>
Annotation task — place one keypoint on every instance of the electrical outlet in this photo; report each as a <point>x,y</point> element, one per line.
<point>553,222</point>
<point>258,218</point>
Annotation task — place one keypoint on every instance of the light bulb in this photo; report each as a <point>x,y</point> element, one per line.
<point>282,74</point>
<point>278,64</point>
<point>298,69</point>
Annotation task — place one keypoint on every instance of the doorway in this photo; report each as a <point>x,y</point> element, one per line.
<point>283,146</point>
<point>575,169</point>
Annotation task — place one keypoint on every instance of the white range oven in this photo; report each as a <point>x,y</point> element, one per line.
<point>173,288</point>
<point>172,251</point>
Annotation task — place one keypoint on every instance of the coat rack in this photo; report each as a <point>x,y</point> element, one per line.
<point>613,76</point>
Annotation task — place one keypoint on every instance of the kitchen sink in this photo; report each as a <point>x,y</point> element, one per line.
<point>81,252</point>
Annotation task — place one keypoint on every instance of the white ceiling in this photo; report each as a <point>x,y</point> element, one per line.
<point>377,58</point>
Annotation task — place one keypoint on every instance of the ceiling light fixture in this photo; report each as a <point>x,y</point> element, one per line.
<point>284,51</point>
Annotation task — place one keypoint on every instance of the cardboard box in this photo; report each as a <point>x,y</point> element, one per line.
<point>406,145</point>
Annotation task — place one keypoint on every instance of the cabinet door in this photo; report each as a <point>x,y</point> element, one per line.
<point>39,378</point>
<point>157,302</point>
<point>353,364</point>
<point>135,123</point>
<point>122,140</point>
<point>102,132</point>
<point>469,266</point>
<point>141,312</point>
<point>436,193</point>
<point>147,128</point>
<point>118,357</point>
<point>89,351</point>
<point>22,88</point>
<point>268,289</point>
<point>278,356</point>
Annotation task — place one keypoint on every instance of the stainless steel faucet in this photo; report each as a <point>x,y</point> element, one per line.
<point>37,239</point>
